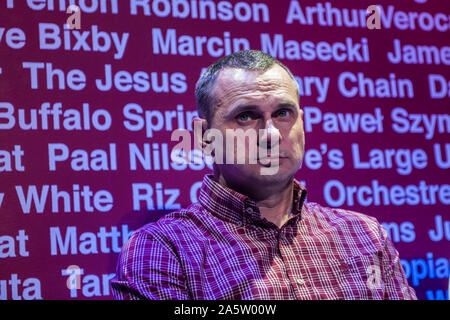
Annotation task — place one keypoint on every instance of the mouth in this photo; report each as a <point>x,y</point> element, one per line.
<point>269,155</point>
<point>272,158</point>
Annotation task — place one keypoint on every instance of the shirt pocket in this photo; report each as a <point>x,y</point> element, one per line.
<point>360,277</point>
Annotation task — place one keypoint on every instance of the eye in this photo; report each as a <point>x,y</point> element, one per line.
<point>283,113</point>
<point>244,117</point>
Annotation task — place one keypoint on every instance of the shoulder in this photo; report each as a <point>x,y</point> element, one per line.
<point>339,215</point>
<point>347,223</point>
<point>174,225</point>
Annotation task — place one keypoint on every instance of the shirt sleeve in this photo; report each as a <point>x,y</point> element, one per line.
<point>148,269</point>
<point>396,284</point>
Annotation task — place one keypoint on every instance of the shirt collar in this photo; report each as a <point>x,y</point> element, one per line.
<point>230,205</point>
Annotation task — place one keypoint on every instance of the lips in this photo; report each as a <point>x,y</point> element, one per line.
<point>271,157</point>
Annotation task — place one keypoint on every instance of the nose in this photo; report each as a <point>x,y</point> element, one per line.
<point>270,135</point>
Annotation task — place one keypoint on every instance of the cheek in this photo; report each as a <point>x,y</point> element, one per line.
<point>240,149</point>
<point>299,146</point>
<point>296,137</point>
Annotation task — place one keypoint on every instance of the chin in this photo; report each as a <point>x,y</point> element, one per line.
<point>252,174</point>
<point>268,174</point>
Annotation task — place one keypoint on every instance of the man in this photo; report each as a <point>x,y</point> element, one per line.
<point>251,235</point>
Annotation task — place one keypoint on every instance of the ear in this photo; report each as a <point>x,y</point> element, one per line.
<point>200,126</point>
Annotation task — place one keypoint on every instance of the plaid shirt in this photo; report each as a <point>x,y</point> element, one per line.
<point>221,248</point>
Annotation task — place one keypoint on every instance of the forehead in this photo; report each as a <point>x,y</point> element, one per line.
<point>232,84</point>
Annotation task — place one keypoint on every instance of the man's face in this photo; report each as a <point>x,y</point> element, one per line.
<point>265,102</point>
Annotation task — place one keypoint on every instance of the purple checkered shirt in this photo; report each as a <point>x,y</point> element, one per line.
<point>221,248</point>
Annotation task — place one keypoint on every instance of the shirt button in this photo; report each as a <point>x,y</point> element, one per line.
<point>300,281</point>
<point>249,210</point>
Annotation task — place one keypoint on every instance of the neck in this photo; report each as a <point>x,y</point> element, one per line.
<point>273,200</point>
<point>277,207</point>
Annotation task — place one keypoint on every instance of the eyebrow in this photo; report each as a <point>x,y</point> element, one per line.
<point>252,107</point>
<point>288,105</point>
